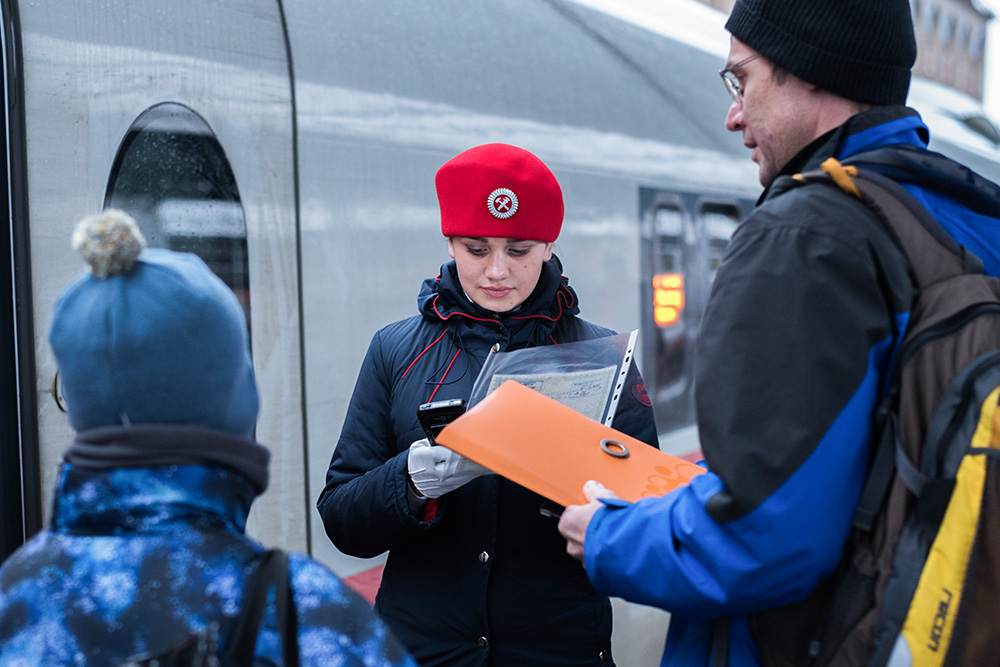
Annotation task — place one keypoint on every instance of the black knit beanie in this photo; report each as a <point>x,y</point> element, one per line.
<point>860,49</point>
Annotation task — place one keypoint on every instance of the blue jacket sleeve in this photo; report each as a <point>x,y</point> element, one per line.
<point>803,317</point>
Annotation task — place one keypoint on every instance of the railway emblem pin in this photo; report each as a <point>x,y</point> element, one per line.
<point>502,203</point>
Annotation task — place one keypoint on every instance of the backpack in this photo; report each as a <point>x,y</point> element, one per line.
<point>920,575</point>
<point>201,649</point>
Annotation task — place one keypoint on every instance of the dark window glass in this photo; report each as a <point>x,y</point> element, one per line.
<point>173,177</point>
<point>669,234</point>
<point>674,242</point>
<point>719,222</point>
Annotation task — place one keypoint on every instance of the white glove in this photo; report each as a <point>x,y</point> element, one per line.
<point>436,470</point>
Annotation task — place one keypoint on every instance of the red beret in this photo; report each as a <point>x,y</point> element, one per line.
<point>499,190</point>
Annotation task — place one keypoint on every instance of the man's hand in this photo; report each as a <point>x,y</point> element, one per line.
<point>576,518</point>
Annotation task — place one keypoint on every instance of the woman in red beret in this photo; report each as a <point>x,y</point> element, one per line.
<point>475,574</point>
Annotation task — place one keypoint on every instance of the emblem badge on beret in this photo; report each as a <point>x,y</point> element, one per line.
<point>502,203</point>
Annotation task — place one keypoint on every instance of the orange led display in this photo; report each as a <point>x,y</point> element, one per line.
<point>668,298</point>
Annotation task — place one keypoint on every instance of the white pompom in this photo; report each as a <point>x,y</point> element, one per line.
<point>109,242</point>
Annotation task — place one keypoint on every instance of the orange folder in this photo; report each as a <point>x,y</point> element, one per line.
<point>551,449</point>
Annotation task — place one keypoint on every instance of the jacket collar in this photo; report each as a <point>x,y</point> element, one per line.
<point>150,478</point>
<point>892,141</point>
<point>150,500</point>
<point>868,130</point>
<point>151,445</point>
<point>442,298</point>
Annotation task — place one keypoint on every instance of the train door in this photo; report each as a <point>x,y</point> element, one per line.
<point>674,266</point>
<point>684,235</point>
<point>19,495</point>
<point>183,115</point>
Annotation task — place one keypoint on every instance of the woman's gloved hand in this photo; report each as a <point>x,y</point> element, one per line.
<point>436,470</point>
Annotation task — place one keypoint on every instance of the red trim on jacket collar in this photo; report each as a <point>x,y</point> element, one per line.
<point>565,297</point>
<point>566,301</point>
<point>445,318</point>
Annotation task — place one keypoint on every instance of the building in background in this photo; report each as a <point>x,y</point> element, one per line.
<point>951,41</point>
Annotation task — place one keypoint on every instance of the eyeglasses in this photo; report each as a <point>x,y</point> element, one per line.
<point>733,85</point>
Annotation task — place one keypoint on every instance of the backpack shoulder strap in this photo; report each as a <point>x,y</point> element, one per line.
<point>271,570</point>
<point>932,254</point>
<point>286,615</point>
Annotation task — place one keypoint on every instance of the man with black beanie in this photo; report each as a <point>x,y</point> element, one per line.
<point>807,309</point>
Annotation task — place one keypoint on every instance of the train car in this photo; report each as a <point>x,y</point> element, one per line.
<point>293,146</point>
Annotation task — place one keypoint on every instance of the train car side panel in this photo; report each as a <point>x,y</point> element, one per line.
<point>92,69</point>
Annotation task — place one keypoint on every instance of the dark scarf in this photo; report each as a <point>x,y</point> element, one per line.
<point>442,298</point>
<point>158,445</point>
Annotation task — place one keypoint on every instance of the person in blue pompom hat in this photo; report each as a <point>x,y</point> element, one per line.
<point>160,341</point>
<point>146,547</point>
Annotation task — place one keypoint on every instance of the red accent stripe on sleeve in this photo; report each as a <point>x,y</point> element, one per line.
<point>422,353</point>
<point>446,371</point>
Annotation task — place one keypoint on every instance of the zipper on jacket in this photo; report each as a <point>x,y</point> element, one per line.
<point>499,321</point>
<point>942,329</point>
<point>912,346</point>
<point>982,364</point>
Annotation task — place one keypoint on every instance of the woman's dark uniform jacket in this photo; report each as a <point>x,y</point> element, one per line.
<point>486,579</point>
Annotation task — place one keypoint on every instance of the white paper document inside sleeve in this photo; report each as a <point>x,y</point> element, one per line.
<point>587,376</point>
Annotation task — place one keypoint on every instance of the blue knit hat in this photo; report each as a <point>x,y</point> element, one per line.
<point>150,337</point>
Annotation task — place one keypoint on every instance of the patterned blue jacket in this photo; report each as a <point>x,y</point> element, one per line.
<point>138,558</point>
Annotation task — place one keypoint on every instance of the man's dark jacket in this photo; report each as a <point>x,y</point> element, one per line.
<point>808,306</point>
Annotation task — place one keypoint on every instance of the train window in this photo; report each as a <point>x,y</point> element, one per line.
<point>173,177</point>
<point>977,43</point>
<point>962,37</point>
<point>668,232</point>
<point>719,222</point>
<point>672,235</point>
<point>930,19</point>
<point>674,256</point>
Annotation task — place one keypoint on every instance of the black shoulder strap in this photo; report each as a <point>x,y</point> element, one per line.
<point>932,256</point>
<point>271,570</point>
<point>285,615</point>
<point>720,642</point>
